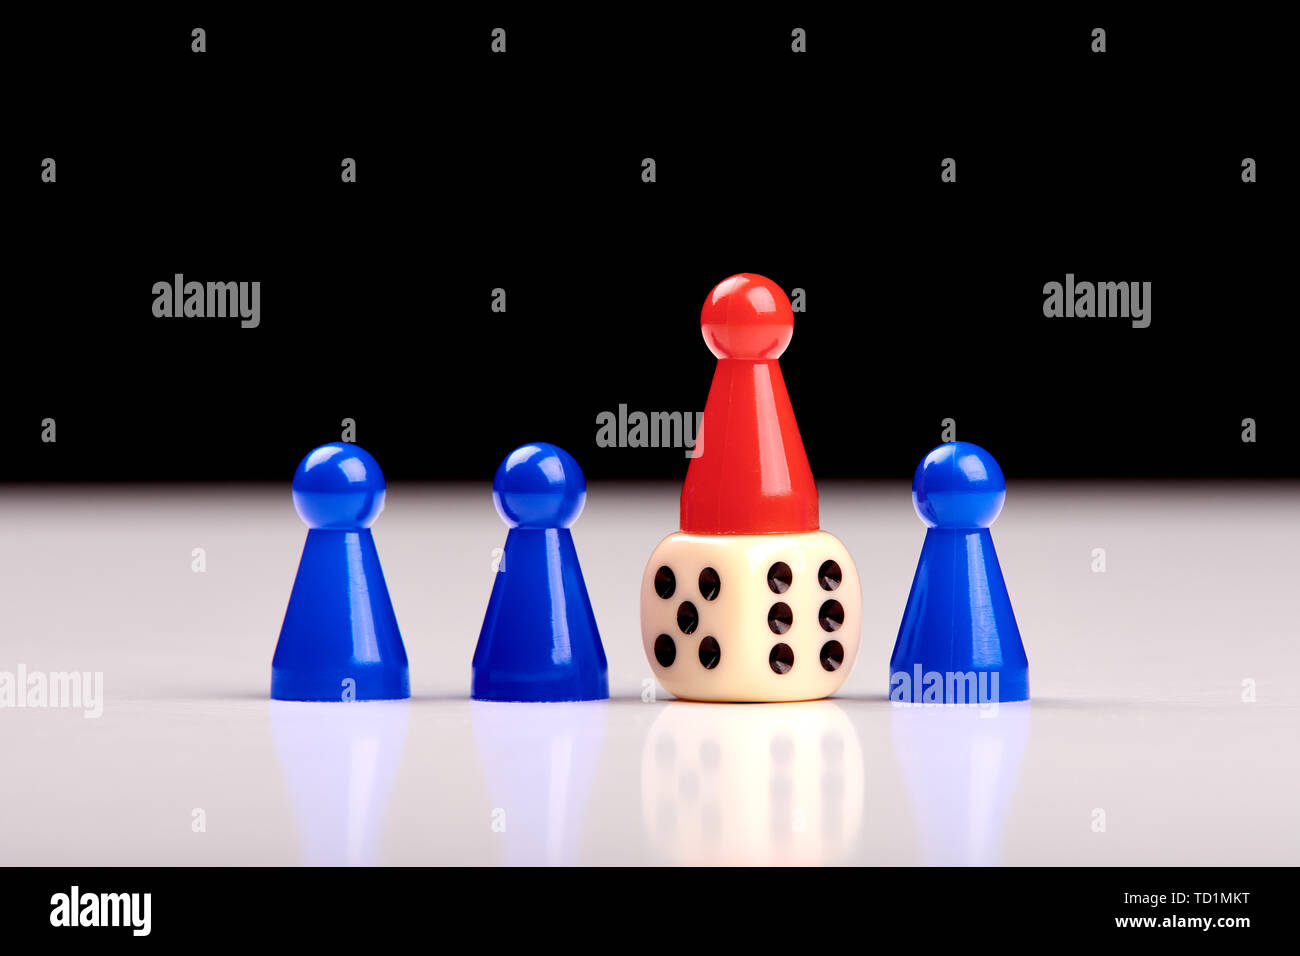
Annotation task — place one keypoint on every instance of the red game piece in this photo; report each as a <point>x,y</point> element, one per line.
<point>752,475</point>
<point>750,602</point>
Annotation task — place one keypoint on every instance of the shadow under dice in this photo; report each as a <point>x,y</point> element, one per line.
<point>751,617</point>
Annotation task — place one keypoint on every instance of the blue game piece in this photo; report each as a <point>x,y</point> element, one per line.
<point>340,639</point>
<point>539,640</point>
<point>958,642</point>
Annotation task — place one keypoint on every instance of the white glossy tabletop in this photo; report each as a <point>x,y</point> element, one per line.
<point>1164,729</point>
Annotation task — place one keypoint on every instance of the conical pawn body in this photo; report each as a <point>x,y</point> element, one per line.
<point>958,622</point>
<point>958,642</point>
<point>750,474</point>
<point>539,640</point>
<point>340,639</point>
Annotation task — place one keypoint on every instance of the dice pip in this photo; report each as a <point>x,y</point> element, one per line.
<point>751,601</point>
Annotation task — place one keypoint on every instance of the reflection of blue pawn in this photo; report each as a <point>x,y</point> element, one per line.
<point>340,639</point>
<point>539,640</point>
<point>958,642</point>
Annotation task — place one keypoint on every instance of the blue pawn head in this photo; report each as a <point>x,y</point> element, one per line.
<point>338,487</point>
<point>958,485</point>
<point>539,486</point>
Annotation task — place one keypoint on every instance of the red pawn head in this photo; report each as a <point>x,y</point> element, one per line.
<point>747,317</point>
<point>751,475</point>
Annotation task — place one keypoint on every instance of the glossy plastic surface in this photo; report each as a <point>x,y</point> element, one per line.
<point>751,475</point>
<point>339,640</point>
<point>539,640</point>
<point>958,641</point>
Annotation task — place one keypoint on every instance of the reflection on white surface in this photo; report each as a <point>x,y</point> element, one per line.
<point>960,764</point>
<point>741,784</point>
<point>340,761</point>
<point>539,761</point>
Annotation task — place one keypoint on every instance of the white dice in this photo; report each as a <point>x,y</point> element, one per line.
<point>751,617</point>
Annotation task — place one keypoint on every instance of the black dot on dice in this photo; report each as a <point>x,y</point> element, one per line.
<point>831,616</point>
<point>780,617</point>
<point>832,655</point>
<point>710,653</point>
<point>710,584</point>
<point>781,659</point>
<point>688,619</point>
<point>829,575</point>
<point>779,577</point>
<point>665,650</point>
<point>665,582</point>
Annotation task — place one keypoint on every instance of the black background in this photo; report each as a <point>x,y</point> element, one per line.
<point>522,171</point>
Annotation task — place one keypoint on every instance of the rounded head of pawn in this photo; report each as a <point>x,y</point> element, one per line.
<point>747,317</point>
<point>338,487</point>
<point>958,485</point>
<point>539,486</point>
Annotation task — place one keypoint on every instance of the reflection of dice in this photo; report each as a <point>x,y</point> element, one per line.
<point>751,617</point>
<point>753,786</point>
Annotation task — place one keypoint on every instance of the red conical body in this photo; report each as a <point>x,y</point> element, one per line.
<point>751,473</point>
